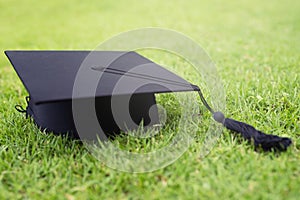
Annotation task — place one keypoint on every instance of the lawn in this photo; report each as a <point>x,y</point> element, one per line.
<point>256,48</point>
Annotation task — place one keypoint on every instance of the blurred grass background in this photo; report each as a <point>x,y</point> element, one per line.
<point>256,47</point>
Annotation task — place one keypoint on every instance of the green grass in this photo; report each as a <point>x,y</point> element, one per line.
<point>256,47</point>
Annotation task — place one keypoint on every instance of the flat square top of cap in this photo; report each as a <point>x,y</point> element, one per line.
<point>50,75</point>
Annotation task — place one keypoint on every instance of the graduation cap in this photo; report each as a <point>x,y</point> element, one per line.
<point>49,77</point>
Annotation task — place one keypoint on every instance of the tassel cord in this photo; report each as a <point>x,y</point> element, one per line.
<point>267,142</point>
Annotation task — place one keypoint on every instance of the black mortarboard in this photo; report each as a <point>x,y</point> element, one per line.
<point>49,79</point>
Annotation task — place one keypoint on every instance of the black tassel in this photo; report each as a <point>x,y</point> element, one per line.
<point>260,139</point>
